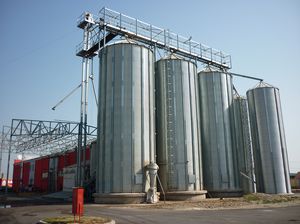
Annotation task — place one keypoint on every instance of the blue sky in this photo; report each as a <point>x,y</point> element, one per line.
<point>38,65</point>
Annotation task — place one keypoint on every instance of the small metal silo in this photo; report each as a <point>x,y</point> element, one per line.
<point>178,129</point>
<point>268,138</point>
<point>126,122</point>
<point>220,173</point>
<point>243,143</point>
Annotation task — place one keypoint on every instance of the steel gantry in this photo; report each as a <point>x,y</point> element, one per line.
<point>109,24</point>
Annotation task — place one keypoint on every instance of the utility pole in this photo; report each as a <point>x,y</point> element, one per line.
<point>1,150</point>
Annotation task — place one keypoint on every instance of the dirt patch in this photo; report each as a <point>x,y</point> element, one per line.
<point>28,214</point>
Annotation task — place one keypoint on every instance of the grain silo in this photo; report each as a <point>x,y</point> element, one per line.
<point>178,129</point>
<point>220,173</point>
<point>126,122</point>
<point>268,137</point>
<point>243,143</point>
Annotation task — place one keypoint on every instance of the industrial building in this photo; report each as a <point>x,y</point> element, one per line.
<point>161,116</point>
<point>47,174</point>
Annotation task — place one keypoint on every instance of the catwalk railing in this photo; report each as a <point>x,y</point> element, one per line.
<point>112,22</point>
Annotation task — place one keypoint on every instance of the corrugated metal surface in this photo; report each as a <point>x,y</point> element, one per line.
<point>269,145</point>
<point>25,175</point>
<point>125,118</point>
<point>70,158</point>
<point>41,174</point>
<point>217,130</point>
<point>87,153</point>
<point>52,176</point>
<point>93,160</point>
<point>17,176</point>
<point>45,174</point>
<point>31,174</point>
<point>243,143</point>
<point>178,125</point>
<point>60,177</point>
<point>38,175</point>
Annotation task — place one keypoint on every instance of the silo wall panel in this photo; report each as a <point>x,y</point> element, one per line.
<point>218,133</point>
<point>243,144</point>
<point>125,118</point>
<point>270,157</point>
<point>178,136</point>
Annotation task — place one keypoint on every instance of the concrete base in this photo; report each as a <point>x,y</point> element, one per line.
<point>225,193</point>
<point>119,198</point>
<point>184,195</point>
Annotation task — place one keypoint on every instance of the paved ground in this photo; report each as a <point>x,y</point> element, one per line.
<point>144,214</point>
<point>269,209</point>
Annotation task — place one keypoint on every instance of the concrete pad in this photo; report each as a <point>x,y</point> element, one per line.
<point>185,195</point>
<point>225,193</point>
<point>120,198</point>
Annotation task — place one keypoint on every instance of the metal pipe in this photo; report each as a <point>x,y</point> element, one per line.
<point>92,79</point>
<point>82,110</point>
<point>162,189</point>
<point>85,116</point>
<point>2,146</point>
<point>245,76</point>
<point>63,99</point>
<point>8,159</point>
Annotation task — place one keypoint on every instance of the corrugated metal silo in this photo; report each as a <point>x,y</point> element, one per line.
<point>126,122</point>
<point>178,129</point>
<point>243,143</point>
<point>268,137</point>
<point>220,173</point>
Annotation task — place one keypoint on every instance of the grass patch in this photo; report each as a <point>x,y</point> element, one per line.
<point>70,219</point>
<point>267,198</point>
<point>251,197</point>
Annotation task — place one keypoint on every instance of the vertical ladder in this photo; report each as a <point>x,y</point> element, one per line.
<point>171,126</point>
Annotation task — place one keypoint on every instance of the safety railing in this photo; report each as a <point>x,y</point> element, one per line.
<point>121,24</point>
<point>163,37</point>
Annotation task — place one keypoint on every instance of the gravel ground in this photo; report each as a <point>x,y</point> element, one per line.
<point>248,201</point>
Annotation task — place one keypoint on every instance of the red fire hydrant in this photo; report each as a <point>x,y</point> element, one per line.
<point>77,205</point>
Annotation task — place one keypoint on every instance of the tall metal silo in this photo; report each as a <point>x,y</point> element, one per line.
<point>220,173</point>
<point>243,143</point>
<point>268,138</point>
<point>126,122</point>
<point>178,129</point>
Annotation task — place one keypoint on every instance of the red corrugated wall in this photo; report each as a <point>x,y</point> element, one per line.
<point>38,175</point>
<point>25,174</point>
<point>45,173</point>
<point>41,174</point>
<point>60,167</point>
<point>87,153</point>
<point>17,176</point>
<point>70,158</point>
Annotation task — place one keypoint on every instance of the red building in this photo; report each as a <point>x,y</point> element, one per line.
<point>46,174</point>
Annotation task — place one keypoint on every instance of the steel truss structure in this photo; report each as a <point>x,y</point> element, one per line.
<point>108,24</point>
<point>44,137</point>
